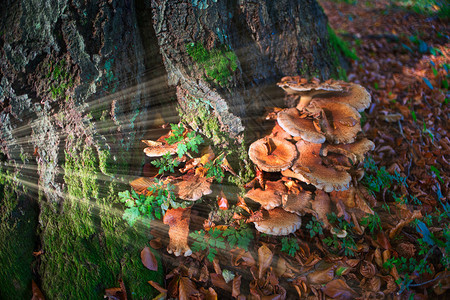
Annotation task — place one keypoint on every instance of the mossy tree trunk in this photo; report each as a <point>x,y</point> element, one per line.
<point>231,53</point>
<point>80,85</point>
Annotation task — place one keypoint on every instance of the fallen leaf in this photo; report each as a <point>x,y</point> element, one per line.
<point>218,281</point>
<point>236,286</point>
<point>265,257</point>
<point>338,289</point>
<point>391,117</point>
<point>209,294</point>
<point>321,276</point>
<point>187,289</point>
<point>157,287</point>
<point>149,259</point>
<point>156,243</point>
<point>37,294</point>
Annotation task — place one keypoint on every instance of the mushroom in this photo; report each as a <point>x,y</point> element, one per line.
<point>322,207</point>
<point>343,119</point>
<point>308,89</point>
<point>277,221</point>
<point>310,166</point>
<point>272,154</point>
<point>270,197</point>
<point>297,203</point>
<point>292,123</point>
<point>355,151</point>
<point>178,221</point>
<point>356,96</point>
<point>353,201</point>
<point>157,149</point>
<point>192,187</point>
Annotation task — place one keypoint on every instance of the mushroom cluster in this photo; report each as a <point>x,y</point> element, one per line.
<point>317,148</point>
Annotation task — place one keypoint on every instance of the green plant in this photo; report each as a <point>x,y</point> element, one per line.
<point>240,237</point>
<point>210,241</point>
<point>186,142</point>
<point>289,245</point>
<point>219,63</point>
<point>315,227</point>
<point>214,239</point>
<point>344,229</point>
<point>152,206</point>
<point>372,222</point>
<point>166,163</point>
<point>214,168</point>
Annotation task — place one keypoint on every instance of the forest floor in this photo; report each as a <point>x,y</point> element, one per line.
<point>402,58</point>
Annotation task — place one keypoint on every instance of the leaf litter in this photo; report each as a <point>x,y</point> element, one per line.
<point>386,237</point>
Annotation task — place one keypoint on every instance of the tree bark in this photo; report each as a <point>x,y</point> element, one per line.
<point>80,85</point>
<point>271,39</point>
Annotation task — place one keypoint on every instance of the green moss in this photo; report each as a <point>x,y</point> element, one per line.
<point>60,79</point>
<point>200,116</point>
<point>340,45</point>
<point>219,64</point>
<point>17,235</point>
<point>87,246</point>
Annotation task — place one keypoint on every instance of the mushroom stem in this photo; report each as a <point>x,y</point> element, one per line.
<point>304,101</point>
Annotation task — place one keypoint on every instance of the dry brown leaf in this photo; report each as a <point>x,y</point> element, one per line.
<point>338,289</point>
<point>157,286</point>
<point>187,289</point>
<point>240,257</point>
<point>321,276</point>
<point>367,269</point>
<point>391,117</point>
<point>149,259</point>
<point>236,286</point>
<point>218,281</point>
<point>265,257</point>
<point>156,243</point>
<point>209,294</point>
<point>112,294</point>
<point>37,294</point>
<point>443,283</point>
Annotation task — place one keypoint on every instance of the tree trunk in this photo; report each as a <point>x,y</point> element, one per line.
<point>81,82</point>
<point>249,46</point>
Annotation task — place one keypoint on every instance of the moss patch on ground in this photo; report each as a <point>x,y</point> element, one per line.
<point>18,219</point>
<point>87,245</point>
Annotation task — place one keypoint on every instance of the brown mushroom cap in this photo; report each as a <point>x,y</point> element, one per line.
<point>298,85</point>
<point>272,154</point>
<point>290,121</point>
<point>297,203</point>
<point>356,96</point>
<point>270,197</point>
<point>192,187</point>
<point>322,207</point>
<point>343,119</point>
<point>308,89</point>
<point>277,221</point>
<point>355,151</point>
<point>157,149</point>
<point>309,165</point>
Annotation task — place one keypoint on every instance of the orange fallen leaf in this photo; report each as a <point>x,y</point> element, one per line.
<point>265,257</point>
